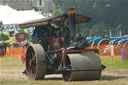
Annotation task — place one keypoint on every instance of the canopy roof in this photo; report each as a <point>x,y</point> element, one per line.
<point>11,16</point>
<point>54,20</point>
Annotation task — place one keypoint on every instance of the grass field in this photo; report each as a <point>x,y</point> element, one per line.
<point>11,69</point>
<point>116,64</point>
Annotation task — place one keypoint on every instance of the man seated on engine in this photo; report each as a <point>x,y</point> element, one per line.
<point>37,34</point>
<point>41,35</point>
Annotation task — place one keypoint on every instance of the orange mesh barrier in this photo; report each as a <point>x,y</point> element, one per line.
<point>110,50</point>
<point>113,52</point>
<point>15,52</point>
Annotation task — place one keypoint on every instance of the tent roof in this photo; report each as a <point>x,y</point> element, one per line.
<point>11,16</point>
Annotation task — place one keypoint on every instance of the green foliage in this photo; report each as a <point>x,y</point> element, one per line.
<point>57,8</point>
<point>99,30</point>
<point>84,32</point>
<point>99,11</point>
<point>78,6</point>
<point>3,37</point>
<point>21,30</point>
<point>29,37</point>
<point>35,8</point>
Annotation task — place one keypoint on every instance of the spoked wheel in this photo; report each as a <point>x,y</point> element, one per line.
<point>35,62</point>
<point>83,67</point>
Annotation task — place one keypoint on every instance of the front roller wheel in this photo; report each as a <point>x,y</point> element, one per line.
<point>83,67</point>
<point>35,62</point>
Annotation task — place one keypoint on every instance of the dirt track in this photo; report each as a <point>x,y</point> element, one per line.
<point>108,75</point>
<point>11,74</point>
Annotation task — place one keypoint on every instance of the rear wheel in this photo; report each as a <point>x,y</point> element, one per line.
<point>35,62</point>
<point>103,42</point>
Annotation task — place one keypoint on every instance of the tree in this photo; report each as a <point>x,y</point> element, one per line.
<point>99,30</point>
<point>110,12</point>
<point>57,8</point>
<point>3,37</point>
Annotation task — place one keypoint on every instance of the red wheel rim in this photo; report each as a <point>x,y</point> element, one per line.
<point>31,64</point>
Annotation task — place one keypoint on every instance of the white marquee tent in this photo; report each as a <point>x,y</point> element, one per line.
<point>11,16</point>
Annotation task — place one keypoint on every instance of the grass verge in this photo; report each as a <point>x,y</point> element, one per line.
<point>116,64</point>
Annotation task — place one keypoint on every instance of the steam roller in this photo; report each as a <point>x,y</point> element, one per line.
<point>74,65</point>
<point>59,48</point>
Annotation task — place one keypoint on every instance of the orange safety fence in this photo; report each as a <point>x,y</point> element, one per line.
<point>15,52</point>
<point>110,50</point>
<point>113,52</point>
